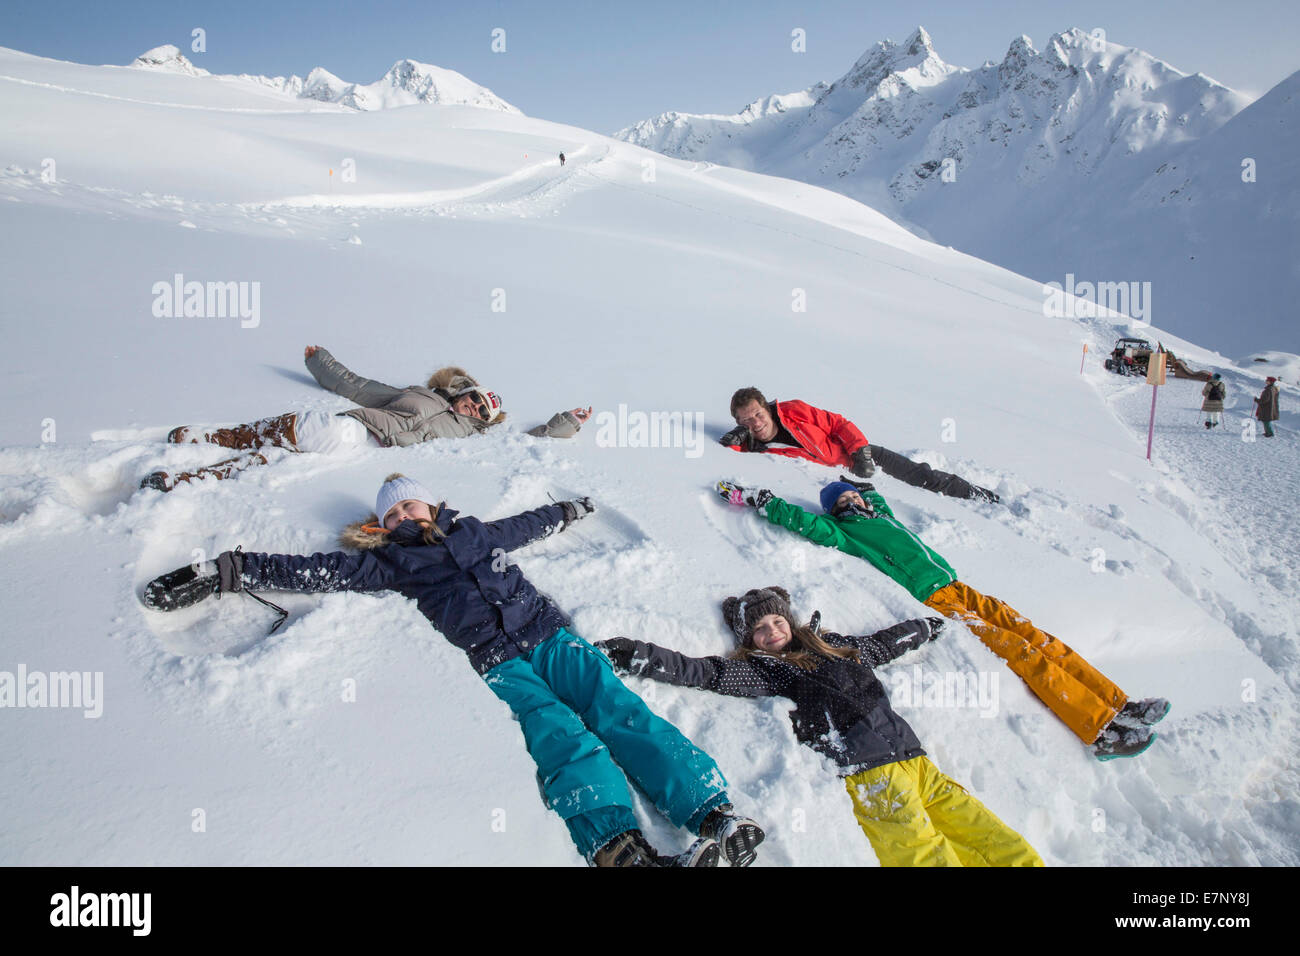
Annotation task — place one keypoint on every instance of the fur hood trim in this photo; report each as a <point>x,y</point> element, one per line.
<point>365,535</point>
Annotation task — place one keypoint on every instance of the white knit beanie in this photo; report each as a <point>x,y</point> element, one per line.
<point>398,488</point>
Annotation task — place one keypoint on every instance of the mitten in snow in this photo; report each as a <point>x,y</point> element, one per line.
<point>577,508</point>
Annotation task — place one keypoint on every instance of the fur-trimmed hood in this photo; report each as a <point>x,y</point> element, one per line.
<point>368,535</point>
<point>452,379</point>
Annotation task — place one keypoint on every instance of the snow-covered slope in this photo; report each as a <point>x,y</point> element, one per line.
<point>639,284</point>
<point>1064,161</point>
<point>406,83</point>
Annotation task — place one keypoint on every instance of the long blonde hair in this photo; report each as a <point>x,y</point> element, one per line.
<point>809,650</point>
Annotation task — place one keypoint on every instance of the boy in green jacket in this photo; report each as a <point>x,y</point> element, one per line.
<point>859,522</point>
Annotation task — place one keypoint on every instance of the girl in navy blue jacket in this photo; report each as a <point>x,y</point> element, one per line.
<point>580,722</point>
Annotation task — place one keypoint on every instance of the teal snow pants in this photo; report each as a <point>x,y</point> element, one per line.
<point>581,723</point>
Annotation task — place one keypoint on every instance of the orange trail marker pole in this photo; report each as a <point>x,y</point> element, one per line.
<point>1084,358</point>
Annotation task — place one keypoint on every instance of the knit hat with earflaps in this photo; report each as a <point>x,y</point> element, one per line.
<point>398,488</point>
<point>742,613</point>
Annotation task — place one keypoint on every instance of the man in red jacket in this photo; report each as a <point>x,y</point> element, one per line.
<point>800,430</point>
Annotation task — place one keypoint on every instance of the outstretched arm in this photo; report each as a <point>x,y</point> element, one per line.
<point>336,571</point>
<point>816,528</point>
<point>338,378</point>
<point>893,642</point>
<point>237,571</point>
<point>562,424</point>
<point>721,675</point>
<point>526,527</point>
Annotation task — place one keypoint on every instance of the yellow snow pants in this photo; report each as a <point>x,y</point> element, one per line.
<point>916,816</point>
<point>1082,696</point>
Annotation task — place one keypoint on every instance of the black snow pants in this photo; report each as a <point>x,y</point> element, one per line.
<point>921,475</point>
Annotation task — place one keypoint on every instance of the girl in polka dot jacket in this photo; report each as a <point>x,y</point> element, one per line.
<point>912,814</point>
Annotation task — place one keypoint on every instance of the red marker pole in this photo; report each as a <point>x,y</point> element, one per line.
<point>1083,358</point>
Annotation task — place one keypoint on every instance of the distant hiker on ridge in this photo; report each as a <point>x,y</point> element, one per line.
<point>1266,406</point>
<point>452,404</point>
<point>800,430</point>
<point>561,159</point>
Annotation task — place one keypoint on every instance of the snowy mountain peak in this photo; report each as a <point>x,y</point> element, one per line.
<point>407,83</point>
<point>166,58</point>
<point>916,55</point>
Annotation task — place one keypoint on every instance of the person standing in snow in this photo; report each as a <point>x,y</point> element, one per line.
<point>1266,406</point>
<point>1215,390</point>
<point>452,404</point>
<point>561,159</point>
<point>912,814</point>
<point>860,523</point>
<point>580,723</point>
<point>800,430</point>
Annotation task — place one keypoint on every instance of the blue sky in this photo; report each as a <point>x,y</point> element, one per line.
<point>605,65</point>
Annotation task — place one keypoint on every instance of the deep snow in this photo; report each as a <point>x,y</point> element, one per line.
<point>662,294</point>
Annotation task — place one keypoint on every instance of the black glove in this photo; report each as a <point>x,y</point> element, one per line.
<point>740,436</point>
<point>230,570</point>
<point>937,625</point>
<point>577,508</point>
<point>983,494</point>
<point>619,650</point>
<point>182,588</point>
<point>862,486</point>
<point>863,466</point>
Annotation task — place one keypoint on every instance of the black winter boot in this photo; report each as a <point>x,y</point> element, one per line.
<point>738,836</point>
<point>1143,713</point>
<point>631,849</point>
<point>1121,740</point>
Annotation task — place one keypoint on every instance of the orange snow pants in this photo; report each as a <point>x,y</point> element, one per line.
<point>1083,697</point>
<point>916,816</point>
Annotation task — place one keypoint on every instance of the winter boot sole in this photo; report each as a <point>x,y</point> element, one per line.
<point>703,852</point>
<point>739,840</point>
<point>1141,750</point>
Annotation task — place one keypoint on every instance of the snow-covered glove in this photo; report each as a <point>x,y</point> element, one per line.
<point>863,465</point>
<point>736,495</point>
<point>937,625</point>
<point>183,587</point>
<point>619,650</point>
<point>577,508</point>
<point>738,436</point>
<point>983,494</point>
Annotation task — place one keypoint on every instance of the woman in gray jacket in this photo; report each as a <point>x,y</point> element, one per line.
<point>452,404</point>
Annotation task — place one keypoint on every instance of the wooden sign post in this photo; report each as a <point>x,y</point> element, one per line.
<point>1155,378</point>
